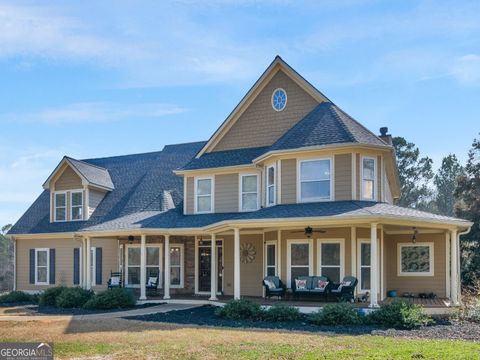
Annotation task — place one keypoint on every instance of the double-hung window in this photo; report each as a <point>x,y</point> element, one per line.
<point>76,201</point>
<point>271,185</point>
<point>176,265</point>
<point>60,200</point>
<point>315,180</point>
<point>249,192</point>
<point>364,265</point>
<point>271,258</point>
<point>368,178</point>
<point>42,270</point>
<point>331,259</point>
<point>204,195</point>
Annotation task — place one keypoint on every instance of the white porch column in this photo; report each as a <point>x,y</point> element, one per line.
<point>88,259</point>
<point>454,268</point>
<point>143,267</point>
<point>213,269</point>
<point>353,243</point>
<point>236,263</point>
<point>166,286</point>
<point>447,262</point>
<point>374,266</point>
<point>14,264</point>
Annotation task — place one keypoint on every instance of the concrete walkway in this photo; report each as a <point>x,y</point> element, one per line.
<point>109,315</point>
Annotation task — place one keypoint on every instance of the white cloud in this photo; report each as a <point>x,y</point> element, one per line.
<point>95,112</point>
<point>466,69</point>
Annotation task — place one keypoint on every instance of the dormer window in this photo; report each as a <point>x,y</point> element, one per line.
<point>76,201</point>
<point>61,206</point>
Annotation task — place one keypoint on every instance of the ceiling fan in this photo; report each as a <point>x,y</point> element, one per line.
<point>308,231</point>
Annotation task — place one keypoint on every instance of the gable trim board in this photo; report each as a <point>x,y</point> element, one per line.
<point>278,64</point>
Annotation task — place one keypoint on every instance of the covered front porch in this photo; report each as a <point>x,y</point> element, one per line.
<point>421,262</point>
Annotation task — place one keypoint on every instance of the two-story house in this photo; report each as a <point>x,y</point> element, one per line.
<point>288,185</point>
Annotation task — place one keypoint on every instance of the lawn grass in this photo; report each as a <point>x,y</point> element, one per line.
<point>127,339</point>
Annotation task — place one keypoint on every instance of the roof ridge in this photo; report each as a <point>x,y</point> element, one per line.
<point>86,163</point>
<point>339,118</point>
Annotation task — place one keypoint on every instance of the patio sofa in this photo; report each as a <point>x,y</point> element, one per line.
<point>317,286</point>
<point>273,287</point>
<point>345,291</point>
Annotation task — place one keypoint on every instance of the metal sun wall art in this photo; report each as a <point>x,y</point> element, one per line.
<point>247,253</point>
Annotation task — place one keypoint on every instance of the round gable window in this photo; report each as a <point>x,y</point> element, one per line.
<point>279,99</point>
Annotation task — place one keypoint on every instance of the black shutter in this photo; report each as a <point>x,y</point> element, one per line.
<point>52,266</point>
<point>98,266</point>
<point>76,266</point>
<point>32,266</point>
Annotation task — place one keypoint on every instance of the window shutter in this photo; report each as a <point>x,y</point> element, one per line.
<point>98,266</point>
<point>52,266</point>
<point>32,266</point>
<point>76,266</point>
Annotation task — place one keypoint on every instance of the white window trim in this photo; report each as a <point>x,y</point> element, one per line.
<point>299,185</point>
<point>55,193</point>
<point>182,266</point>
<point>47,266</point>
<point>274,185</point>
<point>212,194</point>
<point>270,243</point>
<point>375,178</point>
<point>241,192</point>
<point>286,99</point>
<point>160,264</point>
<point>399,259</point>
<point>289,259</point>
<point>340,241</point>
<point>360,266</point>
<point>82,206</point>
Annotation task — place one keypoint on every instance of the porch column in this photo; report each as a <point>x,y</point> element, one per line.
<point>88,258</point>
<point>213,269</point>
<point>143,267</point>
<point>236,263</point>
<point>454,268</point>
<point>353,242</point>
<point>166,291</point>
<point>374,266</point>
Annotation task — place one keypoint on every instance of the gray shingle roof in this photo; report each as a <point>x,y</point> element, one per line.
<point>141,182</point>
<point>95,175</point>
<point>326,124</point>
<point>174,219</point>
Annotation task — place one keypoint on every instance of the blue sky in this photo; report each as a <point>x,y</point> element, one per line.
<point>102,78</point>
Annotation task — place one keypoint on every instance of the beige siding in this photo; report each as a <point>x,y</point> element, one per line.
<point>260,124</point>
<point>379,178</point>
<point>188,197</point>
<point>95,197</point>
<point>251,273</point>
<point>226,193</point>
<point>343,177</point>
<point>68,180</point>
<point>289,181</point>
<point>416,284</point>
<point>63,260</point>
<point>358,176</point>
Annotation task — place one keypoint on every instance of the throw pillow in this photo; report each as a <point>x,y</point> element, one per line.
<point>152,280</point>
<point>115,280</point>
<point>270,284</point>
<point>300,284</point>
<point>321,285</point>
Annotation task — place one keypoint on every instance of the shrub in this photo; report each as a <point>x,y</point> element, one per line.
<point>240,310</point>
<point>49,296</point>
<point>118,298</point>
<point>282,313</point>
<point>336,314</point>
<point>16,297</point>
<point>399,315</point>
<point>469,311</point>
<point>73,297</point>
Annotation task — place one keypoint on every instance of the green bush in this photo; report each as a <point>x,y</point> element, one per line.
<point>117,298</point>
<point>49,296</point>
<point>282,313</point>
<point>399,315</point>
<point>16,297</point>
<point>242,309</point>
<point>73,297</point>
<point>336,314</point>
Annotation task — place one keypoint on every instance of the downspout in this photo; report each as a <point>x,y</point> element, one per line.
<point>459,273</point>
<point>14,264</point>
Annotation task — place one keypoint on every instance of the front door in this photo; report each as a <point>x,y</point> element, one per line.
<point>204,266</point>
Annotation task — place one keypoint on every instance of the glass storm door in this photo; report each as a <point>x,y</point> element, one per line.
<point>204,266</point>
